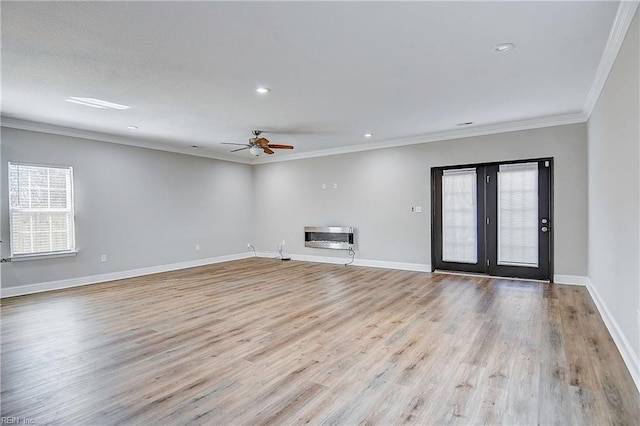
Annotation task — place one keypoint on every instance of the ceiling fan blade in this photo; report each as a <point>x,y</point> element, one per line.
<point>261,142</point>
<point>240,149</point>
<point>271,145</point>
<point>267,150</point>
<point>229,143</point>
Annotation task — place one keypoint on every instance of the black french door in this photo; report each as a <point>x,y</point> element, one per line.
<point>493,218</point>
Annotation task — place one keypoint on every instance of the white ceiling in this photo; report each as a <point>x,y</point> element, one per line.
<point>404,71</point>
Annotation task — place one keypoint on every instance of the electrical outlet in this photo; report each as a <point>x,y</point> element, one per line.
<point>197,247</point>
<point>103,258</point>
<point>335,186</point>
<point>284,242</point>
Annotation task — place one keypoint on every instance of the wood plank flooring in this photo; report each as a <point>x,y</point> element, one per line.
<point>260,341</point>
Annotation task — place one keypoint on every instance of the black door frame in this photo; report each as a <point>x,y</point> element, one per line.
<point>484,250</point>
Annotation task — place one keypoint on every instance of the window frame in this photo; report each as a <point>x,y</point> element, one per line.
<point>71,212</point>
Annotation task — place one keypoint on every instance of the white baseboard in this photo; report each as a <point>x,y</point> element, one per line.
<point>94,279</point>
<point>417,267</point>
<point>629,356</point>
<point>570,279</point>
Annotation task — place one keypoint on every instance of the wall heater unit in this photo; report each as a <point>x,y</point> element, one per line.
<point>329,237</point>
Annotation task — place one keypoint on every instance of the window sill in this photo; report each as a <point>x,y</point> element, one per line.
<point>20,258</point>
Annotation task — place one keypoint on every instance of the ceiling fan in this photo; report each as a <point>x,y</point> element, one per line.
<point>257,145</point>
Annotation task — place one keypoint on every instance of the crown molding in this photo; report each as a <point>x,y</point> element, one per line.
<point>34,126</point>
<point>535,123</point>
<point>513,126</point>
<point>621,23</point>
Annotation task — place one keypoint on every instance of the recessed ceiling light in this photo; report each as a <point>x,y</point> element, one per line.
<point>131,127</point>
<point>263,90</point>
<point>368,135</point>
<point>468,123</point>
<point>195,146</point>
<point>503,47</point>
<point>96,103</point>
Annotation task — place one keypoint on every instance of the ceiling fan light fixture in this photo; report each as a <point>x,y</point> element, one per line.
<point>255,150</point>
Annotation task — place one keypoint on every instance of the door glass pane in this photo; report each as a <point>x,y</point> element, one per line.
<point>459,210</point>
<point>518,215</point>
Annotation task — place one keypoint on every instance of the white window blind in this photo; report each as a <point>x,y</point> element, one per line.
<point>459,216</point>
<point>518,214</point>
<point>41,209</point>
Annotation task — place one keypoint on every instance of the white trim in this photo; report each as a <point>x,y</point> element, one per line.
<point>621,23</point>
<point>513,126</point>
<point>626,350</point>
<point>95,279</point>
<point>570,279</point>
<point>404,266</point>
<point>37,256</point>
<point>416,267</point>
<point>33,126</point>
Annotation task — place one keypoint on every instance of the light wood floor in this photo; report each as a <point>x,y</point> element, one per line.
<point>260,341</point>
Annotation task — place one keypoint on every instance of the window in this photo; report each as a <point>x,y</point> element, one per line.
<point>41,210</point>
<point>518,214</point>
<point>459,224</point>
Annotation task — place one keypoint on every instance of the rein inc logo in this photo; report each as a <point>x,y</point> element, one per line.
<point>17,421</point>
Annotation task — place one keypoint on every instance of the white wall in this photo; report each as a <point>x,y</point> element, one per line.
<point>376,190</point>
<point>142,208</point>
<point>614,194</point>
<point>145,208</point>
